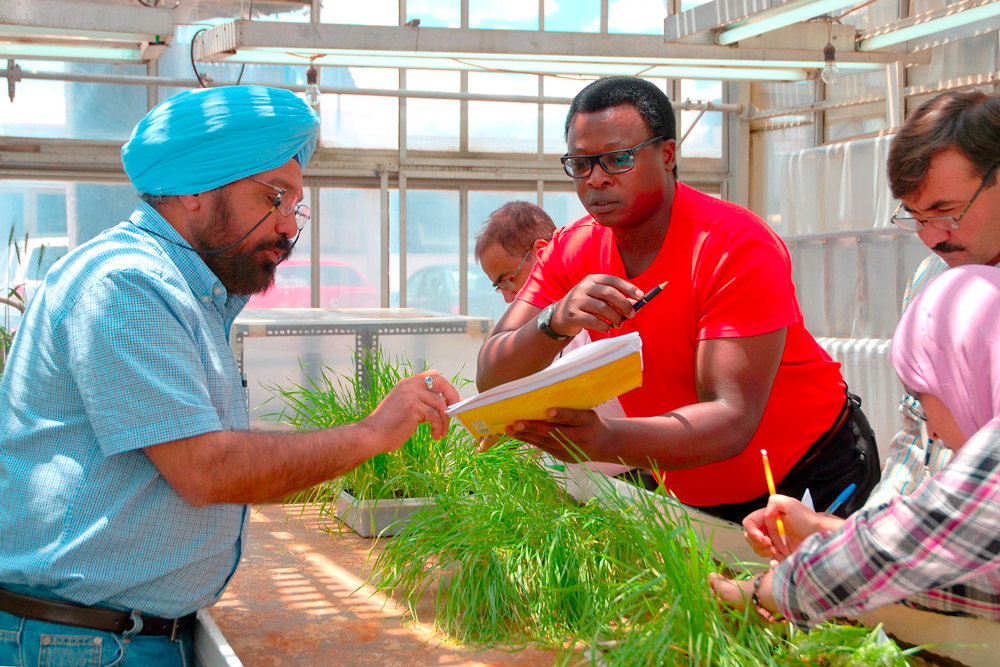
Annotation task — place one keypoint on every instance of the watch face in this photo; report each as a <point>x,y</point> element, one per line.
<point>543,324</point>
<point>547,315</point>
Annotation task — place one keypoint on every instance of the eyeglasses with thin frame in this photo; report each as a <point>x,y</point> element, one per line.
<point>508,283</point>
<point>278,204</point>
<point>612,162</point>
<point>943,222</point>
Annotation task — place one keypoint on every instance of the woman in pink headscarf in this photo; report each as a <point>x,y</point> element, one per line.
<point>938,548</point>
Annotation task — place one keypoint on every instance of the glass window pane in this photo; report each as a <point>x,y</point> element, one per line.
<point>503,126</point>
<point>555,129</point>
<point>349,248</point>
<point>58,215</point>
<point>575,16</point>
<point>369,12</point>
<point>705,140</point>
<point>362,121</point>
<point>433,124</point>
<point>643,17</point>
<point>432,250</point>
<point>769,150</point>
<point>878,13</point>
<point>504,14</point>
<point>563,207</point>
<point>555,114</point>
<point>435,13</point>
<point>855,120</point>
<point>67,110</point>
<point>951,61</point>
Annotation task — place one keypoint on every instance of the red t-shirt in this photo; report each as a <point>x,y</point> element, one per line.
<point>729,277</point>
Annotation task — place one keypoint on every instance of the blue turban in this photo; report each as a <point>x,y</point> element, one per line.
<point>202,139</point>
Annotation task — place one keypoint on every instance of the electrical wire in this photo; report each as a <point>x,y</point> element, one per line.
<point>197,75</point>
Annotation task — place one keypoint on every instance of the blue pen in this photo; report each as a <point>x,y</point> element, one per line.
<point>844,495</point>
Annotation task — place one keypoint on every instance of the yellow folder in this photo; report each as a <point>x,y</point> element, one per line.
<point>582,379</point>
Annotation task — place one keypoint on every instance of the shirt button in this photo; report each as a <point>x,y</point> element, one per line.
<point>206,299</point>
<point>216,290</point>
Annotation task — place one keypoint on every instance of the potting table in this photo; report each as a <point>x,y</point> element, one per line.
<point>299,598</point>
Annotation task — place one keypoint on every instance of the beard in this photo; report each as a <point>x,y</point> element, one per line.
<point>243,269</point>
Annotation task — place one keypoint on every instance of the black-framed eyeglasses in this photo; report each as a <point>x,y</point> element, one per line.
<point>943,222</point>
<point>508,283</point>
<point>612,162</point>
<point>287,208</point>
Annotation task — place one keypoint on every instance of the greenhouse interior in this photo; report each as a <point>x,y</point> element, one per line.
<point>454,427</point>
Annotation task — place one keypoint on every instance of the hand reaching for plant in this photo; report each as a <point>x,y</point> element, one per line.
<point>739,593</point>
<point>410,403</point>
<point>761,531</point>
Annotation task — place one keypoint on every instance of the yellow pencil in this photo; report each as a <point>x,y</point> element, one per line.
<point>770,489</point>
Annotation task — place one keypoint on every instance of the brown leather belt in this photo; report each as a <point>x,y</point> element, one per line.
<point>94,618</point>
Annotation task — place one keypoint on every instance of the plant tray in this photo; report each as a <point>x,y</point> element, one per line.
<point>377,518</point>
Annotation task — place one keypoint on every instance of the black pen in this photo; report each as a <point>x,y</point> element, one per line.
<point>648,296</point>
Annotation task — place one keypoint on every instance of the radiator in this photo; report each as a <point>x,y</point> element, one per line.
<point>865,366</point>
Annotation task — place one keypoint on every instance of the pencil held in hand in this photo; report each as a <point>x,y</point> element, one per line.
<point>648,296</point>
<point>770,489</point>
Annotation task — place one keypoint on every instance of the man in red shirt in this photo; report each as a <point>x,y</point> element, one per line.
<point>728,368</point>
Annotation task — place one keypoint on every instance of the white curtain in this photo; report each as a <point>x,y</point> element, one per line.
<point>836,188</point>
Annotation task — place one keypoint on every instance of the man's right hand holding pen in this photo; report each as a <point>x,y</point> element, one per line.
<point>599,303</point>
<point>760,528</point>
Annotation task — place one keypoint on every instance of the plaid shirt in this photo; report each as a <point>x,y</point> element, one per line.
<point>937,548</point>
<point>912,456</point>
<point>125,346</point>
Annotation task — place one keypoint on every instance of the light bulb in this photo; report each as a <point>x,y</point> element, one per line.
<point>312,87</point>
<point>830,72</point>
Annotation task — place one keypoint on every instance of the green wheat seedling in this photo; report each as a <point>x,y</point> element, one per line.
<point>421,467</point>
<point>672,618</point>
<point>507,558</point>
<point>619,580</point>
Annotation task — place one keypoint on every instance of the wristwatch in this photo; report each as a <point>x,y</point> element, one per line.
<point>543,324</point>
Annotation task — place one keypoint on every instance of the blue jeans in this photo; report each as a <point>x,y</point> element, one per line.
<point>28,643</point>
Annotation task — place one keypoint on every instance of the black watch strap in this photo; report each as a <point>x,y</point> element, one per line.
<point>543,324</point>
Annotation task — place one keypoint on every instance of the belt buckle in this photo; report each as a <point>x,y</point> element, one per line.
<point>173,629</point>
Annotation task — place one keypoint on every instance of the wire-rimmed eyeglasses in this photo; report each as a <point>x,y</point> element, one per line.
<point>507,283</point>
<point>279,204</point>
<point>943,222</point>
<point>612,162</point>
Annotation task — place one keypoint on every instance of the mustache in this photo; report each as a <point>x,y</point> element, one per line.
<point>283,244</point>
<point>944,246</point>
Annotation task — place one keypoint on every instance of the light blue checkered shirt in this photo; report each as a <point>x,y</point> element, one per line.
<point>124,347</point>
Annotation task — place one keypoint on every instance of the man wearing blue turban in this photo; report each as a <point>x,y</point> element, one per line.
<point>126,461</point>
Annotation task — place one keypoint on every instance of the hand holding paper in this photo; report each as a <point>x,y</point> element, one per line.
<point>581,380</point>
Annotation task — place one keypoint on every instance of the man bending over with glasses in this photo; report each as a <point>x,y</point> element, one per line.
<point>943,167</point>
<point>126,463</point>
<point>728,368</point>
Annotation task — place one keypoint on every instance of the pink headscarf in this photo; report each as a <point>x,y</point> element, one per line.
<point>948,344</point>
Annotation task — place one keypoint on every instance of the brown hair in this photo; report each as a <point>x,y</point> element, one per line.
<point>967,120</point>
<point>515,226</point>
